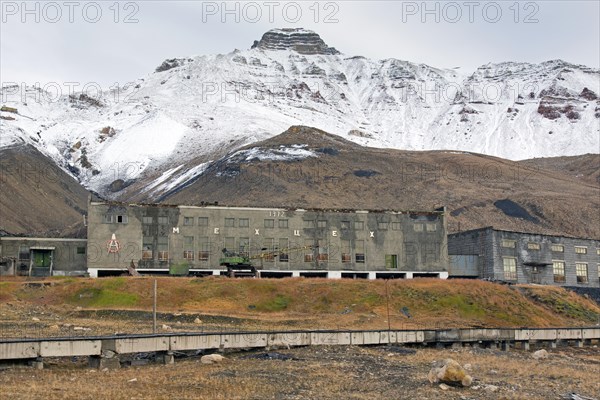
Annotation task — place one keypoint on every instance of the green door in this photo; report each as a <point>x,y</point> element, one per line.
<point>391,261</point>
<point>41,262</point>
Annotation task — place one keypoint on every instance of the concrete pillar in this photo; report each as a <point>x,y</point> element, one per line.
<point>505,346</point>
<point>166,357</point>
<point>295,274</point>
<point>525,345</point>
<point>553,344</point>
<point>334,274</point>
<point>101,362</point>
<point>409,275</point>
<point>493,346</point>
<point>579,343</point>
<point>443,275</point>
<point>372,275</point>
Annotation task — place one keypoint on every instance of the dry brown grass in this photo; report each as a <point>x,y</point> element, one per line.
<point>320,373</point>
<point>290,304</point>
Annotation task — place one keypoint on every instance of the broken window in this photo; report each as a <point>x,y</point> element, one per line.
<point>188,248</point>
<point>24,253</point>
<point>359,248</point>
<point>582,272</point>
<point>244,246</point>
<point>308,253</point>
<point>121,219</point>
<point>268,244</point>
<point>188,221</point>
<point>559,271</point>
<point>346,252</point>
<point>323,251</point>
<point>510,268</point>
<point>204,249</point>
<point>284,244</point>
<point>431,227</point>
<point>147,247</point>
<point>229,243</point>
<point>80,250</point>
<point>345,225</point>
<point>163,247</point>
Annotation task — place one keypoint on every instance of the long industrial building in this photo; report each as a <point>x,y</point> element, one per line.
<point>520,257</point>
<point>328,243</point>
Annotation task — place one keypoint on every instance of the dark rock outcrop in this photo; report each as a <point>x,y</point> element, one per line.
<point>300,40</point>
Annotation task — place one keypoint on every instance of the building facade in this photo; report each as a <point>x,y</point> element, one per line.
<point>28,256</point>
<point>524,257</point>
<point>328,243</point>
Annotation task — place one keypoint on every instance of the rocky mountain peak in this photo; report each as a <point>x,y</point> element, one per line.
<point>302,41</point>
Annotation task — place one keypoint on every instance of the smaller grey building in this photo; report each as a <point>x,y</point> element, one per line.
<point>29,256</point>
<point>521,257</point>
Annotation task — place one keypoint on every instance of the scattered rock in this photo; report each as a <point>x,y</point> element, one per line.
<point>540,354</point>
<point>54,328</point>
<point>197,321</point>
<point>443,386</point>
<point>34,319</point>
<point>166,327</point>
<point>451,373</point>
<point>467,367</point>
<point>132,380</point>
<point>490,388</point>
<point>212,359</point>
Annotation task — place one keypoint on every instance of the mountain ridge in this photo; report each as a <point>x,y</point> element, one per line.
<point>193,110</point>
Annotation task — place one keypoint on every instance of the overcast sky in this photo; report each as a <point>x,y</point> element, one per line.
<point>100,42</point>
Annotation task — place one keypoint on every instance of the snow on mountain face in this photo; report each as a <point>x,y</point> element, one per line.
<point>191,110</point>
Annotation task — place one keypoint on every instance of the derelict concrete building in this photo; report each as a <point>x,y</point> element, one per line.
<point>327,243</point>
<point>30,256</point>
<point>520,257</point>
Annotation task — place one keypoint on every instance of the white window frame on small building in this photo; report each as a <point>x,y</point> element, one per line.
<point>558,271</point>
<point>509,270</point>
<point>582,273</point>
<point>580,250</point>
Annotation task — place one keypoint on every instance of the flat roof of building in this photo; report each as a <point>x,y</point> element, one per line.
<point>520,232</point>
<point>216,206</point>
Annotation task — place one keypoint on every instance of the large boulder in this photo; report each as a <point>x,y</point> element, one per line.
<point>212,359</point>
<point>451,373</point>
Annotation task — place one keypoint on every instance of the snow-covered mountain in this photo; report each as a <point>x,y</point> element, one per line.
<point>165,127</point>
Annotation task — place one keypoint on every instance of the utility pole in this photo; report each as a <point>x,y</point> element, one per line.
<point>387,302</point>
<point>154,310</point>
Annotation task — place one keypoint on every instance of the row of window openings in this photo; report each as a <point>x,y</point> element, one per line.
<point>244,245</point>
<point>557,248</point>
<point>558,267</point>
<point>284,223</point>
